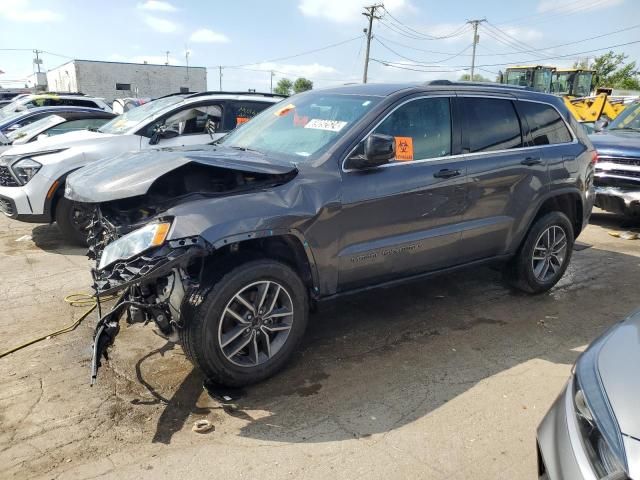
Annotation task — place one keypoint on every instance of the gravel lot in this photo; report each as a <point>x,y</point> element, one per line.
<point>446,378</point>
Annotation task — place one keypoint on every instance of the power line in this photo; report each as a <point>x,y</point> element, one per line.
<point>571,8</point>
<point>451,57</point>
<point>326,47</point>
<point>418,33</point>
<point>390,63</point>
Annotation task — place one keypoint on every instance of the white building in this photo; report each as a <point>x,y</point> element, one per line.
<point>111,80</point>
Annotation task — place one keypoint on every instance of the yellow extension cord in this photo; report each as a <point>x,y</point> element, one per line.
<point>75,300</point>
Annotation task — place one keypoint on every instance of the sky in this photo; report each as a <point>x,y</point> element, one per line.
<point>323,40</point>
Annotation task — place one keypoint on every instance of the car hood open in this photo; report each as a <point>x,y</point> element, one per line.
<point>132,174</point>
<point>618,365</point>
<point>621,142</point>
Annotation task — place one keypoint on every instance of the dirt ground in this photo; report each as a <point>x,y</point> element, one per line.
<point>446,378</point>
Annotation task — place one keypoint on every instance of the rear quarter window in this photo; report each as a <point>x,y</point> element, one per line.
<point>491,124</point>
<point>546,127</point>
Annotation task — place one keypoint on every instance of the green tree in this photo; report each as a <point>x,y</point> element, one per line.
<point>283,87</point>
<point>465,77</point>
<point>612,71</point>
<point>302,85</point>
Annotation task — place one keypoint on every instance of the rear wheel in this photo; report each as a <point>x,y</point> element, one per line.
<point>73,219</point>
<point>246,327</point>
<point>544,256</point>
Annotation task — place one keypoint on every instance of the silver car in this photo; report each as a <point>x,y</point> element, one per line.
<point>592,431</point>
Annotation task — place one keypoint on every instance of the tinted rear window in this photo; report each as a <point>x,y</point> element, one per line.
<point>491,124</point>
<point>545,125</point>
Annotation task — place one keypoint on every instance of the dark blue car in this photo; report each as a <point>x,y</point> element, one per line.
<point>617,176</point>
<point>20,119</point>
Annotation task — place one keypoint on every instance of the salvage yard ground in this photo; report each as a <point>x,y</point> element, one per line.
<point>445,378</point>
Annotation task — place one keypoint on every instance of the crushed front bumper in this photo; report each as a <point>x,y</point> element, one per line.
<point>151,287</point>
<point>618,200</point>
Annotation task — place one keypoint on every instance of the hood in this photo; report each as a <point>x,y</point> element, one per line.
<point>618,363</point>
<point>619,143</point>
<point>65,140</point>
<point>132,174</point>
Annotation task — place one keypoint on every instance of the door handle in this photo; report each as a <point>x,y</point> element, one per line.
<point>531,161</point>
<point>446,173</point>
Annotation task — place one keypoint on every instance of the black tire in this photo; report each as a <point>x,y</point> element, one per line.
<point>71,230</point>
<point>520,272</point>
<point>203,313</point>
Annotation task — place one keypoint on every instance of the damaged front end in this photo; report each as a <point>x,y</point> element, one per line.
<point>140,255</point>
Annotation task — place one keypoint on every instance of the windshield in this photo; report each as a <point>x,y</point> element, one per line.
<point>628,119</point>
<point>301,127</point>
<point>136,117</point>
<point>11,108</point>
<point>35,127</point>
<point>542,80</point>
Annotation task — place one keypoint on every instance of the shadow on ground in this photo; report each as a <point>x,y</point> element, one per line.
<point>379,360</point>
<point>49,238</point>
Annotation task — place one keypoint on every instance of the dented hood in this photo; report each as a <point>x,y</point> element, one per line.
<point>132,174</point>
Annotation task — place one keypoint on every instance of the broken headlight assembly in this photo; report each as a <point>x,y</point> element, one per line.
<point>599,430</point>
<point>135,243</point>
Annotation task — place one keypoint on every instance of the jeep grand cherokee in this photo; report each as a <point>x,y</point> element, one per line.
<point>225,247</point>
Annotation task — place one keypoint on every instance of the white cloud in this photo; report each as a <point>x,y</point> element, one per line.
<point>204,35</point>
<point>21,11</point>
<point>160,24</point>
<point>560,8</point>
<point>157,5</point>
<point>344,11</point>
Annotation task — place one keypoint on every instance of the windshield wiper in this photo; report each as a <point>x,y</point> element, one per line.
<point>245,149</point>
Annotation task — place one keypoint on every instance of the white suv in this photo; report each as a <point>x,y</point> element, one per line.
<point>32,176</point>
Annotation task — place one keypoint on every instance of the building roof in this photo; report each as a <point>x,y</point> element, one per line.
<point>125,63</point>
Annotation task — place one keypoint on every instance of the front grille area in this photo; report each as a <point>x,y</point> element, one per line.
<point>621,161</point>
<point>6,179</point>
<point>624,173</point>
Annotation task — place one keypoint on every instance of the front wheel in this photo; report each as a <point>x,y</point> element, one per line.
<point>544,256</point>
<point>73,219</point>
<point>247,326</point>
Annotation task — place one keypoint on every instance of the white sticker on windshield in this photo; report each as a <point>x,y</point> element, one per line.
<point>331,125</point>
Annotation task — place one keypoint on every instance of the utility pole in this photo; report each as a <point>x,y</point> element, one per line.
<point>37,60</point>
<point>272,75</point>
<point>370,13</point>
<point>167,61</point>
<point>476,38</point>
<point>186,58</point>
<point>220,71</point>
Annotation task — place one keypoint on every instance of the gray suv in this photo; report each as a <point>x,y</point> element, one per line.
<point>226,247</point>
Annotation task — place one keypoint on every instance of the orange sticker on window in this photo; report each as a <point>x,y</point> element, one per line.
<point>241,120</point>
<point>284,110</point>
<point>300,120</point>
<point>404,149</point>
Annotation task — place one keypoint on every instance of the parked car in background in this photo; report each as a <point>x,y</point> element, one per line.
<point>592,431</point>
<point>618,169</point>
<point>23,118</point>
<point>32,176</point>
<point>64,120</point>
<point>225,246</point>
<point>25,102</point>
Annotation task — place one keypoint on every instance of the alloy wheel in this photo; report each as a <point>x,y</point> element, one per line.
<point>549,253</point>
<point>255,324</point>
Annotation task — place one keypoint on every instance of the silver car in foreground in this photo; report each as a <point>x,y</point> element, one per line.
<point>592,431</point>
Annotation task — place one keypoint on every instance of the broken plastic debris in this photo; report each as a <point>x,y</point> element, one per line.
<point>202,426</point>
<point>628,235</point>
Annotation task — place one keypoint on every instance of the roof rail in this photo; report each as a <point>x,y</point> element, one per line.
<point>175,94</point>
<point>464,83</point>
<point>80,94</point>
<point>260,94</point>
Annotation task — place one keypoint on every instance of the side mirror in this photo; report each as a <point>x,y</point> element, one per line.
<point>600,124</point>
<point>161,132</point>
<point>378,150</point>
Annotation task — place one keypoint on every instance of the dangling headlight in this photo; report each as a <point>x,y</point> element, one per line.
<point>598,426</point>
<point>25,169</point>
<point>134,243</point>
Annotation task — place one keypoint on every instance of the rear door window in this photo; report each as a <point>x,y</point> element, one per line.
<point>239,112</point>
<point>421,128</point>
<point>491,124</point>
<point>546,127</point>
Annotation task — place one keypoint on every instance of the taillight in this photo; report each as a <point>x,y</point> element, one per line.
<point>594,157</point>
